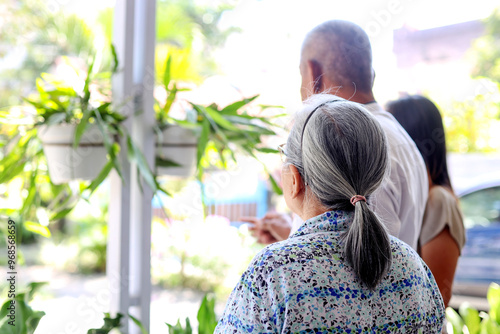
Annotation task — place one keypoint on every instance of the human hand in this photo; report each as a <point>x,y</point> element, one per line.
<point>271,228</point>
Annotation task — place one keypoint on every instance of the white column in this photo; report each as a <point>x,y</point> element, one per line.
<point>118,260</point>
<point>143,135</point>
<point>129,241</point>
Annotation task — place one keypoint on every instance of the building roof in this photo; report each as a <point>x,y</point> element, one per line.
<point>442,44</point>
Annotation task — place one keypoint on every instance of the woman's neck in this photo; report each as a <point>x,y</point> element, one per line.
<point>311,210</point>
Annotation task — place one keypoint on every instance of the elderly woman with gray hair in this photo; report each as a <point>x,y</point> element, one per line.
<point>340,272</point>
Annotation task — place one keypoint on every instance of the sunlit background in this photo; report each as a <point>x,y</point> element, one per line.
<point>251,47</point>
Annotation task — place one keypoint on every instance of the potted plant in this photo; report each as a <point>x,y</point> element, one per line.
<point>77,123</point>
<point>176,145</point>
<point>220,132</point>
<point>77,129</point>
<point>80,129</point>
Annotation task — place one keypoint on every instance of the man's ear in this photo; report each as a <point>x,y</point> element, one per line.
<point>297,185</point>
<point>316,72</point>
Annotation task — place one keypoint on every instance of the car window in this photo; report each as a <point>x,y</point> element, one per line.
<point>482,207</point>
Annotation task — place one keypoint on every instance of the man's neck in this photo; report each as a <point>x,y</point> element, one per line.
<point>359,97</point>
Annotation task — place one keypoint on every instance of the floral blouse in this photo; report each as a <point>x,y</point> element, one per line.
<point>304,285</point>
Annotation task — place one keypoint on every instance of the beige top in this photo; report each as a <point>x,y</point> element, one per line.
<point>442,210</point>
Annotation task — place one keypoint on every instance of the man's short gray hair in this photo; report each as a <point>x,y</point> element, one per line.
<point>343,49</point>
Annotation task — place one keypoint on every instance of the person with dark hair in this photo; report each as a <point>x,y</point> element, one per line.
<point>340,272</point>
<point>443,233</point>
<point>336,57</point>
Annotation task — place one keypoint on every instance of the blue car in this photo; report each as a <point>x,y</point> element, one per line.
<point>479,263</point>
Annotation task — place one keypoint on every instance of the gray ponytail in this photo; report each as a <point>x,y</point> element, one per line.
<point>342,152</point>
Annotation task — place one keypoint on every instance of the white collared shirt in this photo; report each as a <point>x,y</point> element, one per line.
<point>400,200</point>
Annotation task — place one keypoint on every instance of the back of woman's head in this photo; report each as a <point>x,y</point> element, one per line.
<point>422,120</point>
<point>340,151</point>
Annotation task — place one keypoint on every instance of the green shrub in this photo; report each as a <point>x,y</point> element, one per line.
<point>26,319</point>
<point>469,320</point>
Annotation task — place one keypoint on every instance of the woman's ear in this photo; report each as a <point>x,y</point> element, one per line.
<point>296,183</point>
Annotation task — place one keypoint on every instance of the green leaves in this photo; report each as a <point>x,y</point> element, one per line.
<point>86,90</point>
<point>55,119</point>
<point>139,324</point>
<point>487,51</point>
<point>233,108</point>
<point>207,320</point>
<point>161,162</point>
<point>109,324</point>
<point>114,56</point>
<point>135,155</point>
<point>37,228</point>
<point>223,131</point>
<point>101,177</point>
<point>230,130</point>
<point>162,113</point>
<point>81,127</point>
<point>276,188</point>
<point>215,117</point>
<point>267,150</point>
<point>470,321</point>
<point>167,72</point>
<point>456,321</point>
<point>178,329</point>
<point>26,319</point>
<point>470,318</point>
<point>203,141</point>
<point>56,102</point>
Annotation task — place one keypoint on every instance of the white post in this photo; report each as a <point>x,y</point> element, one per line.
<point>129,241</point>
<point>118,261</point>
<point>143,135</point>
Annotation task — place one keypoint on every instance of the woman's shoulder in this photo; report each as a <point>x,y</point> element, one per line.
<point>301,249</point>
<point>405,258</point>
<point>407,266</point>
<point>402,249</point>
<point>439,195</point>
<point>442,210</point>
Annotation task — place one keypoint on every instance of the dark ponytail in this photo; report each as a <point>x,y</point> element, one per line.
<point>367,247</point>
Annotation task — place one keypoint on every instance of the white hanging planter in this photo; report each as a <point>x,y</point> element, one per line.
<point>66,163</point>
<point>179,145</point>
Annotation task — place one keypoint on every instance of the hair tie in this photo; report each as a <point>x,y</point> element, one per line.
<point>357,198</point>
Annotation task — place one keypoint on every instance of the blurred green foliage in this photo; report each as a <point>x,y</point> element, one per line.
<point>26,319</point>
<point>110,324</point>
<point>488,49</point>
<point>207,319</point>
<point>469,321</point>
<point>190,33</point>
<point>39,34</point>
<point>31,197</point>
<point>470,124</point>
<point>78,244</point>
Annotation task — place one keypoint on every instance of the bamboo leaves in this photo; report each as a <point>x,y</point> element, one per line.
<point>229,130</point>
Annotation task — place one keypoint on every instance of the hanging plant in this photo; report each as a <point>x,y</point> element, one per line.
<point>222,131</point>
<point>73,129</point>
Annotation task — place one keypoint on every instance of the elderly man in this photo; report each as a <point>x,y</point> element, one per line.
<point>336,58</point>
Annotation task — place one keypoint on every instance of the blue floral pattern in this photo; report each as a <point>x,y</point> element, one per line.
<point>304,285</point>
